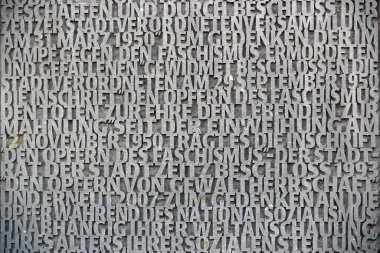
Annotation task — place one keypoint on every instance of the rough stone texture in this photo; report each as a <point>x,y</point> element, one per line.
<point>163,194</point>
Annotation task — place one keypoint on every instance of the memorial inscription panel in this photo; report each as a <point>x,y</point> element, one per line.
<point>189,126</point>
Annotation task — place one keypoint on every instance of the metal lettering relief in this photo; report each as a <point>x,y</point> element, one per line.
<point>189,126</point>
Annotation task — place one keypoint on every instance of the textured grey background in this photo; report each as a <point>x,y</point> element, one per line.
<point>7,144</point>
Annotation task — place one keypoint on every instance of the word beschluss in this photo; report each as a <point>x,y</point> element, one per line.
<point>189,126</point>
